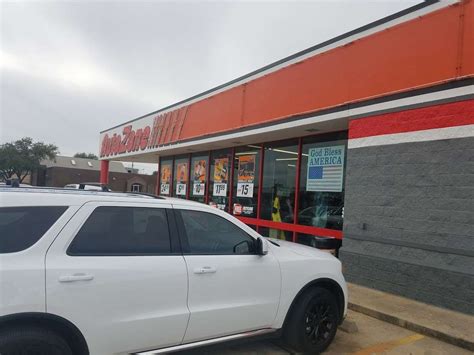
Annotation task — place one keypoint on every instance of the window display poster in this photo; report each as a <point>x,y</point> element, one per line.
<point>237,209</point>
<point>246,176</point>
<point>181,178</point>
<point>165,179</point>
<point>242,210</point>
<point>199,177</point>
<point>221,177</point>
<point>325,168</point>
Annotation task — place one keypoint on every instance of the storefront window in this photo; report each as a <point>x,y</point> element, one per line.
<point>246,171</point>
<point>321,195</point>
<point>278,185</point>
<point>166,168</point>
<point>199,178</point>
<point>275,233</point>
<point>181,176</point>
<point>219,179</point>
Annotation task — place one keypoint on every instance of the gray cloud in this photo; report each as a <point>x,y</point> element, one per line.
<point>70,69</point>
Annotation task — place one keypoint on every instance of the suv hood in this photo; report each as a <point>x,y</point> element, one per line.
<point>303,250</point>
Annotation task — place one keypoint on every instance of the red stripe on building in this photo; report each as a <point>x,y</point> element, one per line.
<point>439,116</point>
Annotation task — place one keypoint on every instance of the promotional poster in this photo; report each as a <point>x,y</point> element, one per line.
<point>199,177</point>
<point>221,177</point>
<point>165,179</point>
<point>181,178</point>
<point>246,176</point>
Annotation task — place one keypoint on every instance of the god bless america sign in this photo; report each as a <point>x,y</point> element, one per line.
<point>325,168</point>
<point>145,134</point>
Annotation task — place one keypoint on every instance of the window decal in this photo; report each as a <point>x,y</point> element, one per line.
<point>325,169</point>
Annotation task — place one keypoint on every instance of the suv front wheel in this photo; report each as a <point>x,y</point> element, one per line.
<point>312,324</point>
<point>32,340</point>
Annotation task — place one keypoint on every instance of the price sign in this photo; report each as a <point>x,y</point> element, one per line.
<point>245,189</point>
<point>181,189</point>
<point>165,189</point>
<point>198,189</point>
<point>220,189</point>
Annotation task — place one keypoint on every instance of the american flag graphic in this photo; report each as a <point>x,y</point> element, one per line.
<point>325,178</point>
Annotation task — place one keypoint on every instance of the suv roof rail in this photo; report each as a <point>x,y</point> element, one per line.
<point>144,194</point>
<point>80,191</point>
<point>41,188</point>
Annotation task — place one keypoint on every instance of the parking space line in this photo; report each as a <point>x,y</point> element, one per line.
<point>381,347</point>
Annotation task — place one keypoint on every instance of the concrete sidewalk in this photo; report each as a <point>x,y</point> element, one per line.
<point>445,325</point>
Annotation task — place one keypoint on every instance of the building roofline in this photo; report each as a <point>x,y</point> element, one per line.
<point>333,40</point>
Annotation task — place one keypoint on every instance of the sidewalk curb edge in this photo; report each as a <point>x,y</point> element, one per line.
<point>448,338</point>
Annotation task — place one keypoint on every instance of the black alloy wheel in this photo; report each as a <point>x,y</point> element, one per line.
<point>320,320</point>
<point>312,323</point>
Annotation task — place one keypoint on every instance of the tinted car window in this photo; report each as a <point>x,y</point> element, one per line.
<point>123,231</point>
<point>210,234</point>
<point>21,227</point>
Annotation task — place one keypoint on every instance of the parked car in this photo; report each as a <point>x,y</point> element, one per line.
<point>3,184</point>
<point>330,217</point>
<point>88,186</point>
<point>87,272</point>
<point>321,216</point>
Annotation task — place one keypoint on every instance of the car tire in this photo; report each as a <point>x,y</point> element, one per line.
<point>312,323</point>
<point>32,340</point>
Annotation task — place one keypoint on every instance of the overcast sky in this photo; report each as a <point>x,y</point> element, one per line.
<point>70,69</point>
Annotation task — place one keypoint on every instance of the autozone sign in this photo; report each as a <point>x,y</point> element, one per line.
<point>144,134</point>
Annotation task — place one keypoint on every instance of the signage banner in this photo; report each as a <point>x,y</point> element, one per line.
<point>221,177</point>
<point>181,178</point>
<point>164,189</point>
<point>245,181</point>
<point>219,190</point>
<point>199,177</point>
<point>198,189</point>
<point>143,135</point>
<point>220,206</point>
<point>180,189</point>
<point>165,179</point>
<point>245,189</point>
<point>325,168</point>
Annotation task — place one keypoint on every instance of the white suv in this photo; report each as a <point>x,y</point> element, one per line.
<point>86,272</point>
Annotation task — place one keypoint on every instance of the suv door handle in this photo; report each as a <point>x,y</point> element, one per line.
<point>205,270</point>
<point>76,277</point>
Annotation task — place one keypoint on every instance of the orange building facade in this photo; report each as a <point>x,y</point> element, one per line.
<point>367,137</point>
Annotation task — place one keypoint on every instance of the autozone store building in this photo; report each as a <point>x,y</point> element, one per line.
<point>368,137</point>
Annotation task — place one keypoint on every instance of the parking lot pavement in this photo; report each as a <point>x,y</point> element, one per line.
<point>373,337</point>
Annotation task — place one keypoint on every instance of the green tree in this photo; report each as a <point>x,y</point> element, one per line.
<point>23,156</point>
<point>86,156</point>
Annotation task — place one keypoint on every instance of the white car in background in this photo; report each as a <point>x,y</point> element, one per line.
<point>3,184</point>
<point>87,272</point>
<point>87,186</point>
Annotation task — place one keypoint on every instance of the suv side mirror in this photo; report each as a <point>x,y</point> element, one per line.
<point>262,246</point>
